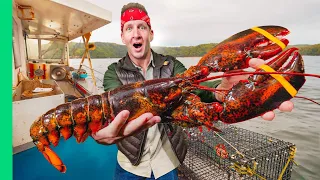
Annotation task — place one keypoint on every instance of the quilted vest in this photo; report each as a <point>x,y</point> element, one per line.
<point>133,146</point>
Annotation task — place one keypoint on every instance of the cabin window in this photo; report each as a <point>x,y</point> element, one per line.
<point>15,43</point>
<point>52,49</point>
<point>49,50</point>
<point>32,49</point>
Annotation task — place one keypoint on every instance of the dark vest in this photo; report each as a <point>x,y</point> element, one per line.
<point>133,146</point>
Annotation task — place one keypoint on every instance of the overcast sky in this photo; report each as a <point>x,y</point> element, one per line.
<point>193,22</point>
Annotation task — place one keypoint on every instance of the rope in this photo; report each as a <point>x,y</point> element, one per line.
<point>238,152</point>
<point>93,69</point>
<point>242,169</point>
<point>246,170</point>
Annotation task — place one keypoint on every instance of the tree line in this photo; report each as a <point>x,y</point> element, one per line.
<point>113,50</point>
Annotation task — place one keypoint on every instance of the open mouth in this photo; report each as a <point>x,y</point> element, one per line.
<point>137,45</point>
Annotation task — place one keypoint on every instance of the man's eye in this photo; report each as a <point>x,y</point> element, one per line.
<point>129,29</point>
<point>142,27</point>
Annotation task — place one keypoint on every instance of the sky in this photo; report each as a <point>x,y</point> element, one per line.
<point>193,22</point>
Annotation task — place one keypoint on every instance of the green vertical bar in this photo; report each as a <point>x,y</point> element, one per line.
<point>6,89</point>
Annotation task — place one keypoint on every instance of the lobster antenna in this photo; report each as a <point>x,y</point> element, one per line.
<point>251,73</point>
<point>220,91</point>
<point>215,90</point>
<point>301,97</point>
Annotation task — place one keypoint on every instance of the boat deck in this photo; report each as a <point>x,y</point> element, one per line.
<point>68,88</point>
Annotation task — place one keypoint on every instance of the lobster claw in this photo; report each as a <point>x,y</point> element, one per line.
<point>262,93</point>
<point>234,53</point>
<point>248,98</point>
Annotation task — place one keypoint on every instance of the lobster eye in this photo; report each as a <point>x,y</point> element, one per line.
<point>204,71</point>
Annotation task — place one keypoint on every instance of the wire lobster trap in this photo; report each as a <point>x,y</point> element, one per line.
<point>235,153</point>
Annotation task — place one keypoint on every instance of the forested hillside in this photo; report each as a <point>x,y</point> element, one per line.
<point>112,50</point>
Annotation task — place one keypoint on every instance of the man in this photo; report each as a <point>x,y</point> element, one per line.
<point>148,149</point>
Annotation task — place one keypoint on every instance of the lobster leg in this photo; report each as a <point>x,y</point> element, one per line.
<point>193,112</point>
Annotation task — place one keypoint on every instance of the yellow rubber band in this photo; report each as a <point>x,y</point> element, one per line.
<point>269,36</point>
<point>291,90</point>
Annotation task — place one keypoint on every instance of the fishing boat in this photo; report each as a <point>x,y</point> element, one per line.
<point>43,79</point>
<point>42,31</point>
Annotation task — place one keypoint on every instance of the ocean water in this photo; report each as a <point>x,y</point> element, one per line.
<point>301,126</point>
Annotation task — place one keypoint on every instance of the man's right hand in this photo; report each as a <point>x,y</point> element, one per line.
<point>119,128</point>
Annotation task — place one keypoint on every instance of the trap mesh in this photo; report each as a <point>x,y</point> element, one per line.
<point>258,157</point>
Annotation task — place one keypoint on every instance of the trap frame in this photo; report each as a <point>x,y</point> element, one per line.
<point>235,153</point>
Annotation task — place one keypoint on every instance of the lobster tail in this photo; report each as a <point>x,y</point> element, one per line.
<point>45,131</point>
<point>54,159</point>
<point>96,114</point>
<point>106,109</point>
<point>88,115</point>
<point>51,127</point>
<point>80,117</point>
<point>64,120</point>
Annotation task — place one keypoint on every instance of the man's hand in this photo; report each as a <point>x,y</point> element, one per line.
<point>119,129</point>
<point>228,82</point>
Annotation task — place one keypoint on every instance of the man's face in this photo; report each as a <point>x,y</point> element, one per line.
<point>136,35</point>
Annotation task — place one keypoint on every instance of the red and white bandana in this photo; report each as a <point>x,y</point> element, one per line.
<point>134,14</point>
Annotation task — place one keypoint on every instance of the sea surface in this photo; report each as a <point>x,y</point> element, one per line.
<point>301,126</point>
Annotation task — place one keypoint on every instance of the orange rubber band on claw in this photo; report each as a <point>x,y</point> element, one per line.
<point>269,36</point>
<point>291,90</point>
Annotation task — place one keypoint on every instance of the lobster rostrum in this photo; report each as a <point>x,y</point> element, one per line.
<point>173,97</point>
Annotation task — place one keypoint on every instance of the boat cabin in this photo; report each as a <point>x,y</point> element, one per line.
<point>42,76</point>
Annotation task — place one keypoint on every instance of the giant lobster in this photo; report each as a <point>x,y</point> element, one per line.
<point>276,82</point>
